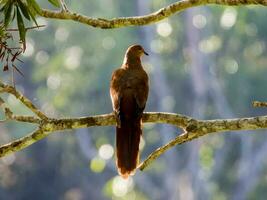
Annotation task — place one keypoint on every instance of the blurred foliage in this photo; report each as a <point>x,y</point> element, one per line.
<point>18,10</point>
<point>67,68</point>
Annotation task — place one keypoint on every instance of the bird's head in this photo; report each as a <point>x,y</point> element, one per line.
<point>136,51</point>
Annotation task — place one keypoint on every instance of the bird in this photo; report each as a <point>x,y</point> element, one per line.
<point>129,87</point>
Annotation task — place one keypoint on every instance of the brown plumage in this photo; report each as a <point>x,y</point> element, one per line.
<point>129,91</point>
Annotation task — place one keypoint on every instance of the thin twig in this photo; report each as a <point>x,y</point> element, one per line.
<point>20,118</point>
<point>26,118</point>
<point>11,90</point>
<point>64,6</point>
<point>259,104</point>
<point>27,28</point>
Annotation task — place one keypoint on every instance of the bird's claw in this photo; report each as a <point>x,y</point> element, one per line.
<point>118,121</point>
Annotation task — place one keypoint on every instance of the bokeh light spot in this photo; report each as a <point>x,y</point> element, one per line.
<point>42,57</point>
<point>210,44</point>
<point>231,66</point>
<point>106,151</point>
<point>121,186</point>
<point>73,57</point>
<point>199,21</point>
<point>228,18</point>
<point>61,34</point>
<point>97,165</point>
<point>53,81</point>
<point>164,29</point>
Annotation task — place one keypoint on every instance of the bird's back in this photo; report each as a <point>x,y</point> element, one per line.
<point>129,84</point>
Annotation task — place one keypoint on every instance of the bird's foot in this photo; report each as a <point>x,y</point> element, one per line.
<point>118,121</point>
<point>186,134</point>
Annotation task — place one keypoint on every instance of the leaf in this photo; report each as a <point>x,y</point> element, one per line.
<point>2,9</point>
<point>21,27</point>
<point>55,3</point>
<point>14,66</point>
<point>15,56</point>
<point>35,6</point>
<point>13,17</point>
<point>33,17</point>
<point>8,12</point>
<point>24,10</point>
<point>2,56</point>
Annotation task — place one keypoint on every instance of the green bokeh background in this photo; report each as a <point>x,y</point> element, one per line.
<point>206,62</point>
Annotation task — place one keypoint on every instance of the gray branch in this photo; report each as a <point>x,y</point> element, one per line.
<point>154,17</point>
<point>193,128</point>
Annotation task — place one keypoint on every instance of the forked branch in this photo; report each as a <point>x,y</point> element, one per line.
<point>193,128</point>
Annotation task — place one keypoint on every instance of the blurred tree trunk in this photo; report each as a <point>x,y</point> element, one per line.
<point>198,73</point>
<point>161,89</point>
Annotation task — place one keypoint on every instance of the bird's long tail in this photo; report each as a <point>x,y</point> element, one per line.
<point>127,146</point>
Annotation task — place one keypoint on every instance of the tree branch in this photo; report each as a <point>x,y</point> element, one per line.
<point>200,128</point>
<point>155,154</point>
<point>193,128</point>
<point>11,90</point>
<point>22,143</point>
<point>145,19</point>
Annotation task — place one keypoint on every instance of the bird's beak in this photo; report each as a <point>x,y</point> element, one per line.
<point>146,53</point>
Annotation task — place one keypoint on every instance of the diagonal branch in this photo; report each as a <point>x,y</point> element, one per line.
<point>154,17</point>
<point>11,90</point>
<point>198,128</point>
<point>21,118</point>
<point>155,154</point>
<point>22,143</point>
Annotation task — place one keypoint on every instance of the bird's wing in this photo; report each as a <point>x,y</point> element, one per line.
<point>115,88</point>
<point>141,91</point>
<point>129,91</point>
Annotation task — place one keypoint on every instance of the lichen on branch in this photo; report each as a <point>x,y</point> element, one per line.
<point>193,128</point>
<point>154,17</point>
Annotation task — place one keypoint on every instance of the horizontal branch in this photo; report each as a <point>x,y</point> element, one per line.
<point>193,128</point>
<point>109,120</point>
<point>154,17</point>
